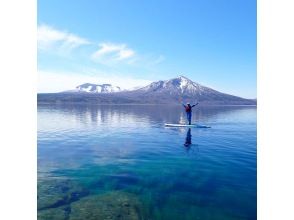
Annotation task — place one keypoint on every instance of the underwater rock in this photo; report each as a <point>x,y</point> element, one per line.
<point>116,205</point>
<point>60,213</point>
<point>58,192</point>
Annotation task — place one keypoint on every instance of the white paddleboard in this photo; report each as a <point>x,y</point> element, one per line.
<point>187,125</point>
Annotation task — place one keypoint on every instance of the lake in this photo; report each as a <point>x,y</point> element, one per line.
<point>121,162</point>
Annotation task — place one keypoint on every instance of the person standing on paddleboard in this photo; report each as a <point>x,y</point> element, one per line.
<point>188,108</point>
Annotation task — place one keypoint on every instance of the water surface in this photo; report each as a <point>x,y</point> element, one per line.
<point>120,162</point>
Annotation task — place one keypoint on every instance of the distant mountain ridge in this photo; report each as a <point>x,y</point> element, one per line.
<point>173,91</point>
<point>182,89</point>
<point>95,88</point>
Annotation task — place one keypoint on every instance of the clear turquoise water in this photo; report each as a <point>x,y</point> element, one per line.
<point>91,151</point>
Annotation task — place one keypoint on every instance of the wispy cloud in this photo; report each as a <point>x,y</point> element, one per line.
<point>62,43</point>
<point>112,53</point>
<point>160,59</point>
<point>50,38</point>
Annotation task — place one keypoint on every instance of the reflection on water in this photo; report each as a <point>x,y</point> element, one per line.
<point>120,162</point>
<point>191,149</point>
<point>134,115</point>
<point>188,141</point>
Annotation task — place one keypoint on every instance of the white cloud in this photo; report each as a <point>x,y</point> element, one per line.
<point>111,53</point>
<point>62,43</point>
<point>54,81</point>
<point>50,38</point>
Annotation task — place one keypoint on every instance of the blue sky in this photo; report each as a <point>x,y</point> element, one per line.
<point>131,43</point>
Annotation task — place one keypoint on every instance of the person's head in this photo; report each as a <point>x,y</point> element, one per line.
<point>188,103</point>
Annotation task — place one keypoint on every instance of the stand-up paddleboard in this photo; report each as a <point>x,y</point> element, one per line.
<point>186,125</point>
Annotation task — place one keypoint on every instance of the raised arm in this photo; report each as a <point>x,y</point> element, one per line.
<point>195,105</point>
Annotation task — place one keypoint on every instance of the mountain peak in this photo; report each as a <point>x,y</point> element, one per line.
<point>182,81</point>
<point>95,88</point>
<point>182,77</point>
<point>178,85</point>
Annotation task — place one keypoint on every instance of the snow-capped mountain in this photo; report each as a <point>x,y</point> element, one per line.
<point>179,85</point>
<point>182,89</point>
<point>173,91</point>
<point>95,88</point>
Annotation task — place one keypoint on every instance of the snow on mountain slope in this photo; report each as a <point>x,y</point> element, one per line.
<point>94,88</point>
<point>180,85</point>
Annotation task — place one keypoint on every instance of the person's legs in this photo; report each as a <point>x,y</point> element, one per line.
<point>189,116</point>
